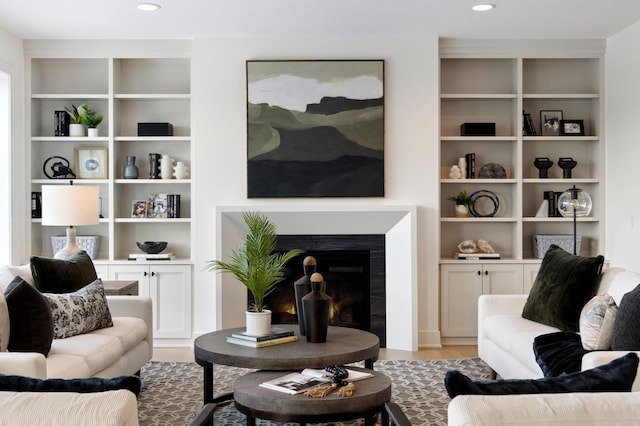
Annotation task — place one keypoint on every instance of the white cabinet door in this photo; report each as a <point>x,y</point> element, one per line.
<point>460,286</point>
<point>169,287</point>
<point>502,279</point>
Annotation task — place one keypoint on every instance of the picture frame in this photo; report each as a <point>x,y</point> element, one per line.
<point>91,163</point>
<point>550,122</point>
<point>336,108</point>
<point>157,206</point>
<point>572,127</point>
<point>139,208</point>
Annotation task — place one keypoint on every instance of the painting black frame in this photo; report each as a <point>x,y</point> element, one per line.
<point>557,114</point>
<point>315,128</point>
<point>572,127</point>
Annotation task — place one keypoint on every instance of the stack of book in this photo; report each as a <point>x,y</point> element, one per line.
<point>295,383</point>
<point>276,337</point>
<point>476,256</point>
<point>147,256</point>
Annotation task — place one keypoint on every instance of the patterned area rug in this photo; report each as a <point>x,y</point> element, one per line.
<point>171,391</point>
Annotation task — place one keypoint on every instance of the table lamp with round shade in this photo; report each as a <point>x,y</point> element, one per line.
<point>70,205</point>
<point>574,202</point>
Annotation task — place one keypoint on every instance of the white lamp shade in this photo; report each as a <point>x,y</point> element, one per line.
<point>70,205</point>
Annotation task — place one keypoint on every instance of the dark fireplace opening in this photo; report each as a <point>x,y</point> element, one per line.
<point>352,267</point>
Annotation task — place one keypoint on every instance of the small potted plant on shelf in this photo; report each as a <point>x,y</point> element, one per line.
<point>463,202</point>
<point>76,128</point>
<point>89,118</point>
<point>256,265</point>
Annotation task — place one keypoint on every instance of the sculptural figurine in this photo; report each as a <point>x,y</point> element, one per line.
<point>455,173</point>
<point>485,247</point>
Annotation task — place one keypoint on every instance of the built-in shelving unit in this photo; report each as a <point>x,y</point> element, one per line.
<point>127,91</point>
<point>496,81</point>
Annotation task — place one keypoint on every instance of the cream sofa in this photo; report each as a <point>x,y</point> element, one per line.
<point>505,339</point>
<point>505,343</point>
<point>109,352</point>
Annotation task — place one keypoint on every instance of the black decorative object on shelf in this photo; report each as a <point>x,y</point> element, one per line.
<point>567,164</point>
<point>302,287</point>
<point>316,307</point>
<point>483,193</point>
<point>152,247</point>
<point>543,164</point>
<point>59,169</point>
<point>492,171</point>
<point>154,166</point>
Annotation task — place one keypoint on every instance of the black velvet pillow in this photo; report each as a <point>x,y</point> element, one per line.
<point>559,353</point>
<point>92,384</point>
<point>564,284</point>
<point>30,318</point>
<point>626,327</point>
<point>62,276</point>
<point>616,376</point>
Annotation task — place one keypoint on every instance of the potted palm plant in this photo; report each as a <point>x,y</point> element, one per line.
<point>463,202</point>
<point>89,118</point>
<point>256,265</point>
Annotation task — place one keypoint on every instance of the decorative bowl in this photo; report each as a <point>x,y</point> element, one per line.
<point>152,247</point>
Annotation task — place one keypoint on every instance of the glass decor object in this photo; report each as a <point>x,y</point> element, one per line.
<point>575,202</point>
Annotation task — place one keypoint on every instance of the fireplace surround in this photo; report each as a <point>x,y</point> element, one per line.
<point>396,223</point>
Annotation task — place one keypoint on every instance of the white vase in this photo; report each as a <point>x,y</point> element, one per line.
<point>259,323</point>
<point>462,210</point>
<point>92,132</point>
<point>180,170</point>
<point>166,167</point>
<point>76,129</point>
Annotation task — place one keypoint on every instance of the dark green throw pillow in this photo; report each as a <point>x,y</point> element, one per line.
<point>615,376</point>
<point>564,284</point>
<point>30,318</point>
<point>62,276</point>
<point>10,383</point>
<point>626,328</point>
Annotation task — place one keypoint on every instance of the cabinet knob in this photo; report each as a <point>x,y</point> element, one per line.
<point>145,273</point>
<point>486,272</point>
<point>479,273</point>
<point>153,274</point>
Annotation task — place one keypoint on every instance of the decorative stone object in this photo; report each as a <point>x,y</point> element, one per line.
<point>492,171</point>
<point>467,246</point>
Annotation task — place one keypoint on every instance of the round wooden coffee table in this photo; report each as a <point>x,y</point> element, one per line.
<point>343,346</point>
<point>257,402</point>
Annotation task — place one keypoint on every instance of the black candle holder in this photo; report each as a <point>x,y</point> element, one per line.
<point>567,164</point>
<point>543,164</point>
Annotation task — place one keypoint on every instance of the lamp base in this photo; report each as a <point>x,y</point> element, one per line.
<point>71,248</point>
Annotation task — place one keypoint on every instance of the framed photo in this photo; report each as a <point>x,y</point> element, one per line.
<point>332,144</point>
<point>572,127</point>
<point>550,122</point>
<point>91,163</point>
<point>157,206</point>
<point>139,208</point>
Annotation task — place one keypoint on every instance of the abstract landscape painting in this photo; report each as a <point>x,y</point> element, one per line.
<point>315,128</point>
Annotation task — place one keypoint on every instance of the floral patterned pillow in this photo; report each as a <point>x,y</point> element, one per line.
<point>79,312</point>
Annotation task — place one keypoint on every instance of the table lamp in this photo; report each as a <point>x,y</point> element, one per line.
<point>70,205</point>
<point>574,202</point>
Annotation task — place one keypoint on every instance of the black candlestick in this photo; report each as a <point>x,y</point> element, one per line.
<point>542,164</point>
<point>567,164</point>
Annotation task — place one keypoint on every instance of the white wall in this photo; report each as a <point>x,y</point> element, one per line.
<point>411,153</point>
<point>12,157</point>
<point>623,148</point>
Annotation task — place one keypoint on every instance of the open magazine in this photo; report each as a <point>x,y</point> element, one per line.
<point>294,383</point>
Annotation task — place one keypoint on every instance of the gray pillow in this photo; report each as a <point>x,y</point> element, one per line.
<point>626,328</point>
<point>79,312</point>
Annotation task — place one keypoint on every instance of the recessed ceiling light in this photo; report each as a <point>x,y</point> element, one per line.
<point>148,7</point>
<point>483,7</point>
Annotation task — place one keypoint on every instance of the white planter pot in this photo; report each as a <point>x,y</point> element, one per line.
<point>76,129</point>
<point>92,132</point>
<point>259,323</point>
<point>461,210</point>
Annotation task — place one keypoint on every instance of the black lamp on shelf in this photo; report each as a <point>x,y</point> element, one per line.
<point>574,202</point>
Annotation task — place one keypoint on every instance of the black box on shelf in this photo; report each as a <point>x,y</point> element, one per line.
<point>61,120</point>
<point>478,129</point>
<point>155,129</point>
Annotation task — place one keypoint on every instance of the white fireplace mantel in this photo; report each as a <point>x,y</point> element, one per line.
<point>397,223</point>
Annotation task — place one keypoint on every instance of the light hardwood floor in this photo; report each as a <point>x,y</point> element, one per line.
<point>447,352</point>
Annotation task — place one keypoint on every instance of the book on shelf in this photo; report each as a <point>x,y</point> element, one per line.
<point>149,256</point>
<point>294,383</point>
<point>476,256</point>
<point>276,333</point>
<point>470,159</point>
<point>261,344</point>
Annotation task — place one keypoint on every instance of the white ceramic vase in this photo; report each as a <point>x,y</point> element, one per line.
<point>180,170</point>
<point>166,167</point>
<point>92,132</point>
<point>76,129</point>
<point>259,323</point>
<point>462,210</point>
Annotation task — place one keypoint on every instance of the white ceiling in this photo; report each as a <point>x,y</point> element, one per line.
<point>186,19</point>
